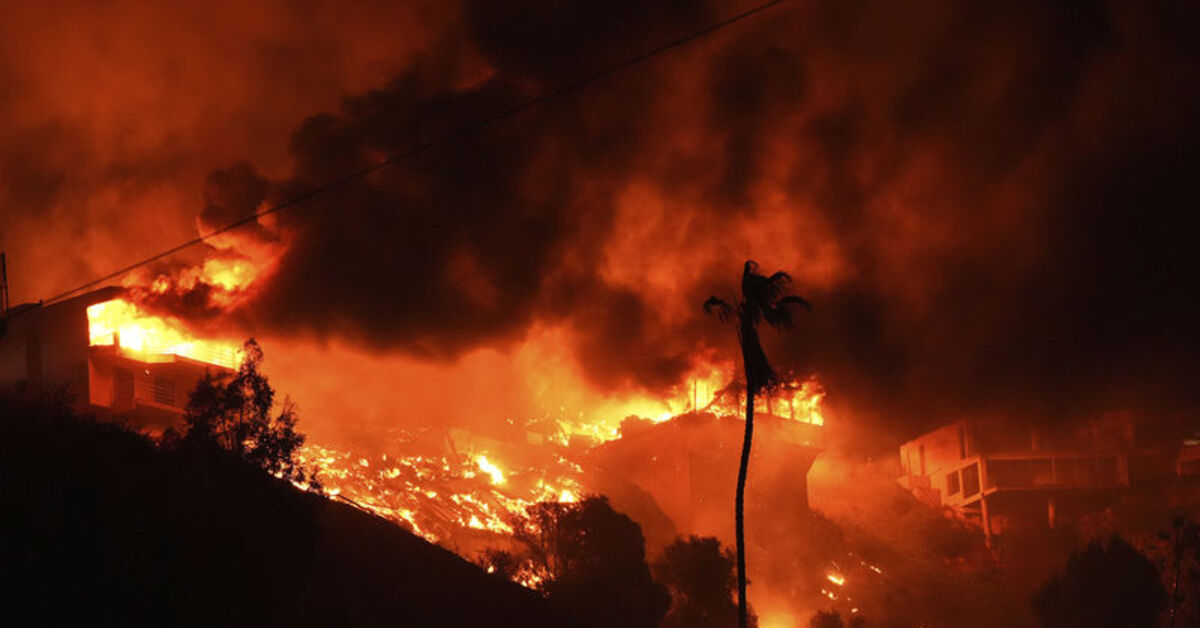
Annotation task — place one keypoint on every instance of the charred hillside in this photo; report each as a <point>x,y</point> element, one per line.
<point>103,527</point>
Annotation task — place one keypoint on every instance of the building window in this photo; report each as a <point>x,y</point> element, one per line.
<point>970,480</point>
<point>1025,473</point>
<point>952,483</point>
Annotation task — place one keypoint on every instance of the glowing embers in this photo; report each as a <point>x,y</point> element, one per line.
<point>491,469</point>
<point>124,325</point>
<point>841,591</point>
<point>443,498</point>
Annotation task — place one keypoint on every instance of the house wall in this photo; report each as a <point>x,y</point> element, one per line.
<point>934,453</point>
<point>1009,475</point>
<point>47,347</point>
<point>15,349</point>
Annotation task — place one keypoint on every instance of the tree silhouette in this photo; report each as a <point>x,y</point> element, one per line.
<point>1185,567</point>
<point>763,299</point>
<point>701,578</point>
<point>592,560</point>
<point>234,414</point>
<point>1104,585</point>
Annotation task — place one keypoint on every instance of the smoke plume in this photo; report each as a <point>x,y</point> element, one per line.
<point>984,204</point>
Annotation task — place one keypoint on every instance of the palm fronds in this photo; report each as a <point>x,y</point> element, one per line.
<point>720,308</point>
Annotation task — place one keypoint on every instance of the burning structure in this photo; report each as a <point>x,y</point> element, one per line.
<point>120,351</point>
<point>686,465</point>
<point>107,356</point>
<point>670,473</point>
<point>1005,477</point>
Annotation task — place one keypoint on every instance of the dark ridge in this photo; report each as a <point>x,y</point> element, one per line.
<point>102,527</point>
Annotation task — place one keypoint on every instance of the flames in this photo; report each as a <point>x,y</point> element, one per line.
<point>221,283</point>
<point>447,499</point>
<point>225,283</point>
<point>496,473</point>
<point>466,498</point>
<point>469,498</point>
<point>444,495</point>
<point>712,387</point>
<point>123,324</point>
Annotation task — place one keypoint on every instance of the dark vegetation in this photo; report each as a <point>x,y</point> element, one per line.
<point>1104,585</point>
<point>103,527</point>
<point>1164,525</point>
<point>700,575</point>
<point>233,413</point>
<point>591,562</point>
<point>833,619</point>
<point>206,528</point>
<point>1182,569</point>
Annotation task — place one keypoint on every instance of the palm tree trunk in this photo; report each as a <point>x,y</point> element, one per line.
<point>740,511</point>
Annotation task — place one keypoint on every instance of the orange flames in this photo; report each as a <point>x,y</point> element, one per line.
<point>125,324</point>
<point>122,324</point>
<point>443,498</point>
<point>462,497</point>
<point>710,387</point>
<point>453,497</point>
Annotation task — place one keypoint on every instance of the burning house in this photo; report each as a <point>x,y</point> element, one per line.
<point>107,356</point>
<point>687,464</point>
<point>1006,477</point>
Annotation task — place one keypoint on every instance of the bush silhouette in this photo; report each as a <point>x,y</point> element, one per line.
<point>233,413</point>
<point>593,562</point>
<point>1104,585</point>
<point>701,578</point>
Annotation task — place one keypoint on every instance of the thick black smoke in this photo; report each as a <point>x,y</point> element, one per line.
<point>1002,190</point>
<point>472,241</point>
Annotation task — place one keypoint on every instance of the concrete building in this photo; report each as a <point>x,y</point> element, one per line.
<point>58,348</point>
<point>1007,477</point>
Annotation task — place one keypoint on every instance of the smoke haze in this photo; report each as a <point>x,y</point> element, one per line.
<point>985,204</point>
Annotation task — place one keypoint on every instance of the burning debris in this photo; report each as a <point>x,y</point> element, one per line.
<point>460,501</point>
<point>450,493</point>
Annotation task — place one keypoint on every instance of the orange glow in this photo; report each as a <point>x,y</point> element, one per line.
<point>461,498</point>
<point>777,620</point>
<point>496,473</point>
<point>441,498</point>
<point>124,325</point>
<point>228,281</point>
<point>707,388</point>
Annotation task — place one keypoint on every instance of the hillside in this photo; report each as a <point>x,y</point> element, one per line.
<point>102,527</point>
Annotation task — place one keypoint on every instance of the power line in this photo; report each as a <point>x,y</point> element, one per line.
<point>424,146</point>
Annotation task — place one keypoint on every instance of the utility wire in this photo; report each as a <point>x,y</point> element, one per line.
<point>425,146</point>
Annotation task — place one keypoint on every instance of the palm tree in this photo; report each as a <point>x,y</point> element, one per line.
<point>763,299</point>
